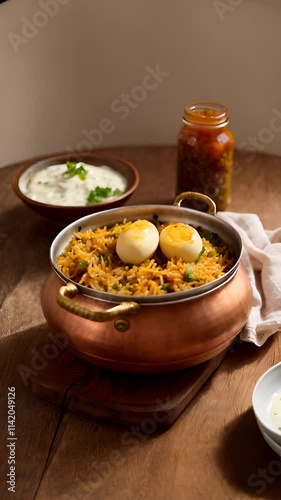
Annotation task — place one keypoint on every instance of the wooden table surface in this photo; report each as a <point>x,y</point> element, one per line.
<point>214,450</point>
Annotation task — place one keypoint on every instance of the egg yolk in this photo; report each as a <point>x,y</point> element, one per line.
<point>180,241</point>
<point>137,242</point>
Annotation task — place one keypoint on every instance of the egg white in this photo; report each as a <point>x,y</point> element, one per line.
<point>137,242</point>
<point>180,241</point>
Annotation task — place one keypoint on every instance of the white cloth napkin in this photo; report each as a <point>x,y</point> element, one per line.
<point>261,258</point>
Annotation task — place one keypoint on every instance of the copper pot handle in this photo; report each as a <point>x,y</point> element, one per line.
<point>190,195</point>
<point>69,291</point>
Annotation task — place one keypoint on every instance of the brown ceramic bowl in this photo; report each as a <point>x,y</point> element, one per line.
<point>63,215</point>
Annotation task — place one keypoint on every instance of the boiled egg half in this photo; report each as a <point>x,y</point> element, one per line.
<point>181,241</point>
<point>137,242</point>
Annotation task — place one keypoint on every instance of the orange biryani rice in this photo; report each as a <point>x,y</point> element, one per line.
<point>90,259</point>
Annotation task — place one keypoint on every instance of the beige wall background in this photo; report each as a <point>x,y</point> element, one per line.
<point>84,74</point>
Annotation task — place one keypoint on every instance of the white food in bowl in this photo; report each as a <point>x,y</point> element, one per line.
<point>265,402</point>
<point>275,411</point>
<point>55,186</point>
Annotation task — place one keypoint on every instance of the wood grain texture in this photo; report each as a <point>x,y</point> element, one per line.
<point>214,450</point>
<point>210,452</point>
<point>36,420</point>
<point>151,401</point>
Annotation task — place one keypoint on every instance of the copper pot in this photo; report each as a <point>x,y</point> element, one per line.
<point>149,334</point>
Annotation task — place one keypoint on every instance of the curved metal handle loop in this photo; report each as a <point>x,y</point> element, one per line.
<point>190,195</point>
<point>69,291</point>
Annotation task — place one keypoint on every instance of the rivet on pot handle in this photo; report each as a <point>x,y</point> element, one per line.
<point>69,291</point>
<point>190,195</point>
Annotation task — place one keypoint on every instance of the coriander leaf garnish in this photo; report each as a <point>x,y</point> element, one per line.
<point>200,255</point>
<point>73,169</point>
<point>166,287</point>
<point>71,165</point>
<point>82,265</point>
<point>100,194</point>
<point>188,276</point>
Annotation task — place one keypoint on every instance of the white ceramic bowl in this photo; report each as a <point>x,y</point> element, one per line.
<point>266,390</point>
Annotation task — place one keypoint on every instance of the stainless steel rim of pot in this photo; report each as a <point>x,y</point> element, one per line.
<point>165,213</point>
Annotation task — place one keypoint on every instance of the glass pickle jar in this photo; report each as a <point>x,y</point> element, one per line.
<point>205,152</point>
